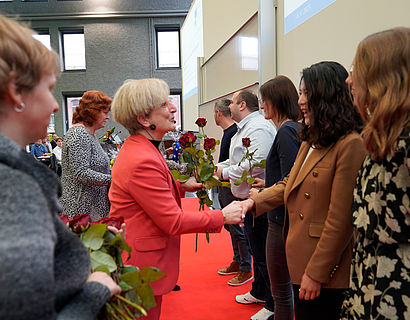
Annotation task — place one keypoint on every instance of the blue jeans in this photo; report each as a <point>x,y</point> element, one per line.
<point>280,283</point>
<point>240,246</point>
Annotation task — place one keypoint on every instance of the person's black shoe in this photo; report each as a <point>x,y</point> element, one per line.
<point>176,288</point>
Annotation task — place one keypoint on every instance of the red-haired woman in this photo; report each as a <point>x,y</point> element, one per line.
<point>85,166</point>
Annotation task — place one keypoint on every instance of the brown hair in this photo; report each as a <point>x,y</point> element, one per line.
<point>250,99</point>
<point>91,104</point>
<point>384,76</point>
<point>281,92</point>
<point>23,59</point>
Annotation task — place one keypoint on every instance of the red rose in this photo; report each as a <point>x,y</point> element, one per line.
<point>186,139</point>
<point>111,222</point>
<point>246,142</point>
<point>209,143</point>
<point>65,219</point>
<point>80,223</point>
<point>200,122</point>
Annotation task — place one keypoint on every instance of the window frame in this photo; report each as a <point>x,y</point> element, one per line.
<point>63,57</point>
<point>66,114</point>
<point>162,28</point>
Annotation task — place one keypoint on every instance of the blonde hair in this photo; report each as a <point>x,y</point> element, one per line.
<point>23,59</point>
<point>135,98</point>
<point>381,68</point>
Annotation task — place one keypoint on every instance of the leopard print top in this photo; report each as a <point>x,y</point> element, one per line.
<point>85,175</point>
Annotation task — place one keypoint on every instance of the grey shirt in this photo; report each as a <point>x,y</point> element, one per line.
<point>85,175</point>
<point>43,266</point>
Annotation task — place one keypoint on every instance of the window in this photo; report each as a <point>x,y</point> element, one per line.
<point>167,48</point>
<point>44,38</point>
<point>73,50</point>
<point>176,101</point>
<point>71,102</point>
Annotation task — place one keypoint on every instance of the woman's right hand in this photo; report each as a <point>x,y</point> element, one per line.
<point>258,183</point>
<point>106,280</point>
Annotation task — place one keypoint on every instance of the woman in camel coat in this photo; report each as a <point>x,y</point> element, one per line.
<point>318,193</point>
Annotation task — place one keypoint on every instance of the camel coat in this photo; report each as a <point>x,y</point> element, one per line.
<point>318,231</point>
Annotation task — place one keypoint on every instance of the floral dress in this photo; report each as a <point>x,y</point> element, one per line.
<point>380,274</point>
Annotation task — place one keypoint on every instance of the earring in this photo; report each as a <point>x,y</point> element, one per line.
<point>152,127</point>
<point>19,107</point>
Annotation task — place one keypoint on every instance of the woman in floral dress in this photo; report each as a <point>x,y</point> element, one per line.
<point>380,274</point>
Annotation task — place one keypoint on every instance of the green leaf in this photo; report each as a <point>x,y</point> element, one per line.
<point>151,274</point>
<point>119,242</point>
<point>147,296</point>
<point>200,135</point>
<point>250,180</point>
<point>128,268</point>
<point>175,174</point>
<point>184,178</point>
<point>241,179</point>
<point>217,142</point>
<point>209,202</point>
<point>188,154</point>
<point>133,297</point>
<point>132,278</point>
<point>103,269</point>
<point>124,286</point>
<point>201,194</point>
<point>205,171</point>
<point>94,237</point>
<point>261,164</point>
<point>212,182</point>
<point>99,258</point>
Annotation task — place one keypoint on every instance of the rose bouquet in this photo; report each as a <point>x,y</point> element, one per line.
<point>197,154</point>
<point>105,250</point>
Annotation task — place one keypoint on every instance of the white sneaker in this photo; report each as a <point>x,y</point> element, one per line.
<point>247,298</point>
<point>262,314</point>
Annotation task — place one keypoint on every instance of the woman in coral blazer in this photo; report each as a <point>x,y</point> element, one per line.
<point>143,190</point>
<point>318,193</point>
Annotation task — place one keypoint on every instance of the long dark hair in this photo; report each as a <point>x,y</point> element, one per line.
<point>332,114</point>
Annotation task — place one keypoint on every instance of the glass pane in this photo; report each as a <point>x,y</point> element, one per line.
<point>71,104</point>
<point>168,49</point>
<point>44,39</point>
<point>74,51</point>
<point>176,101</point>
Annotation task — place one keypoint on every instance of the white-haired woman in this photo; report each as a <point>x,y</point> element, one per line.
<point>143,190</point>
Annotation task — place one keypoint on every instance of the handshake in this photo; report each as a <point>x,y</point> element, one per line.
<point>235,212</point>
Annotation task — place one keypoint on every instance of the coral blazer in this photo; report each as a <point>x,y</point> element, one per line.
<point>318,231</point>
<point>145,194</point>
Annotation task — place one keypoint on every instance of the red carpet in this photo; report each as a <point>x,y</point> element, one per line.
<point>205,294</point>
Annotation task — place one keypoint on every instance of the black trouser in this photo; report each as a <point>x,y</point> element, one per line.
<point>325,307</point>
